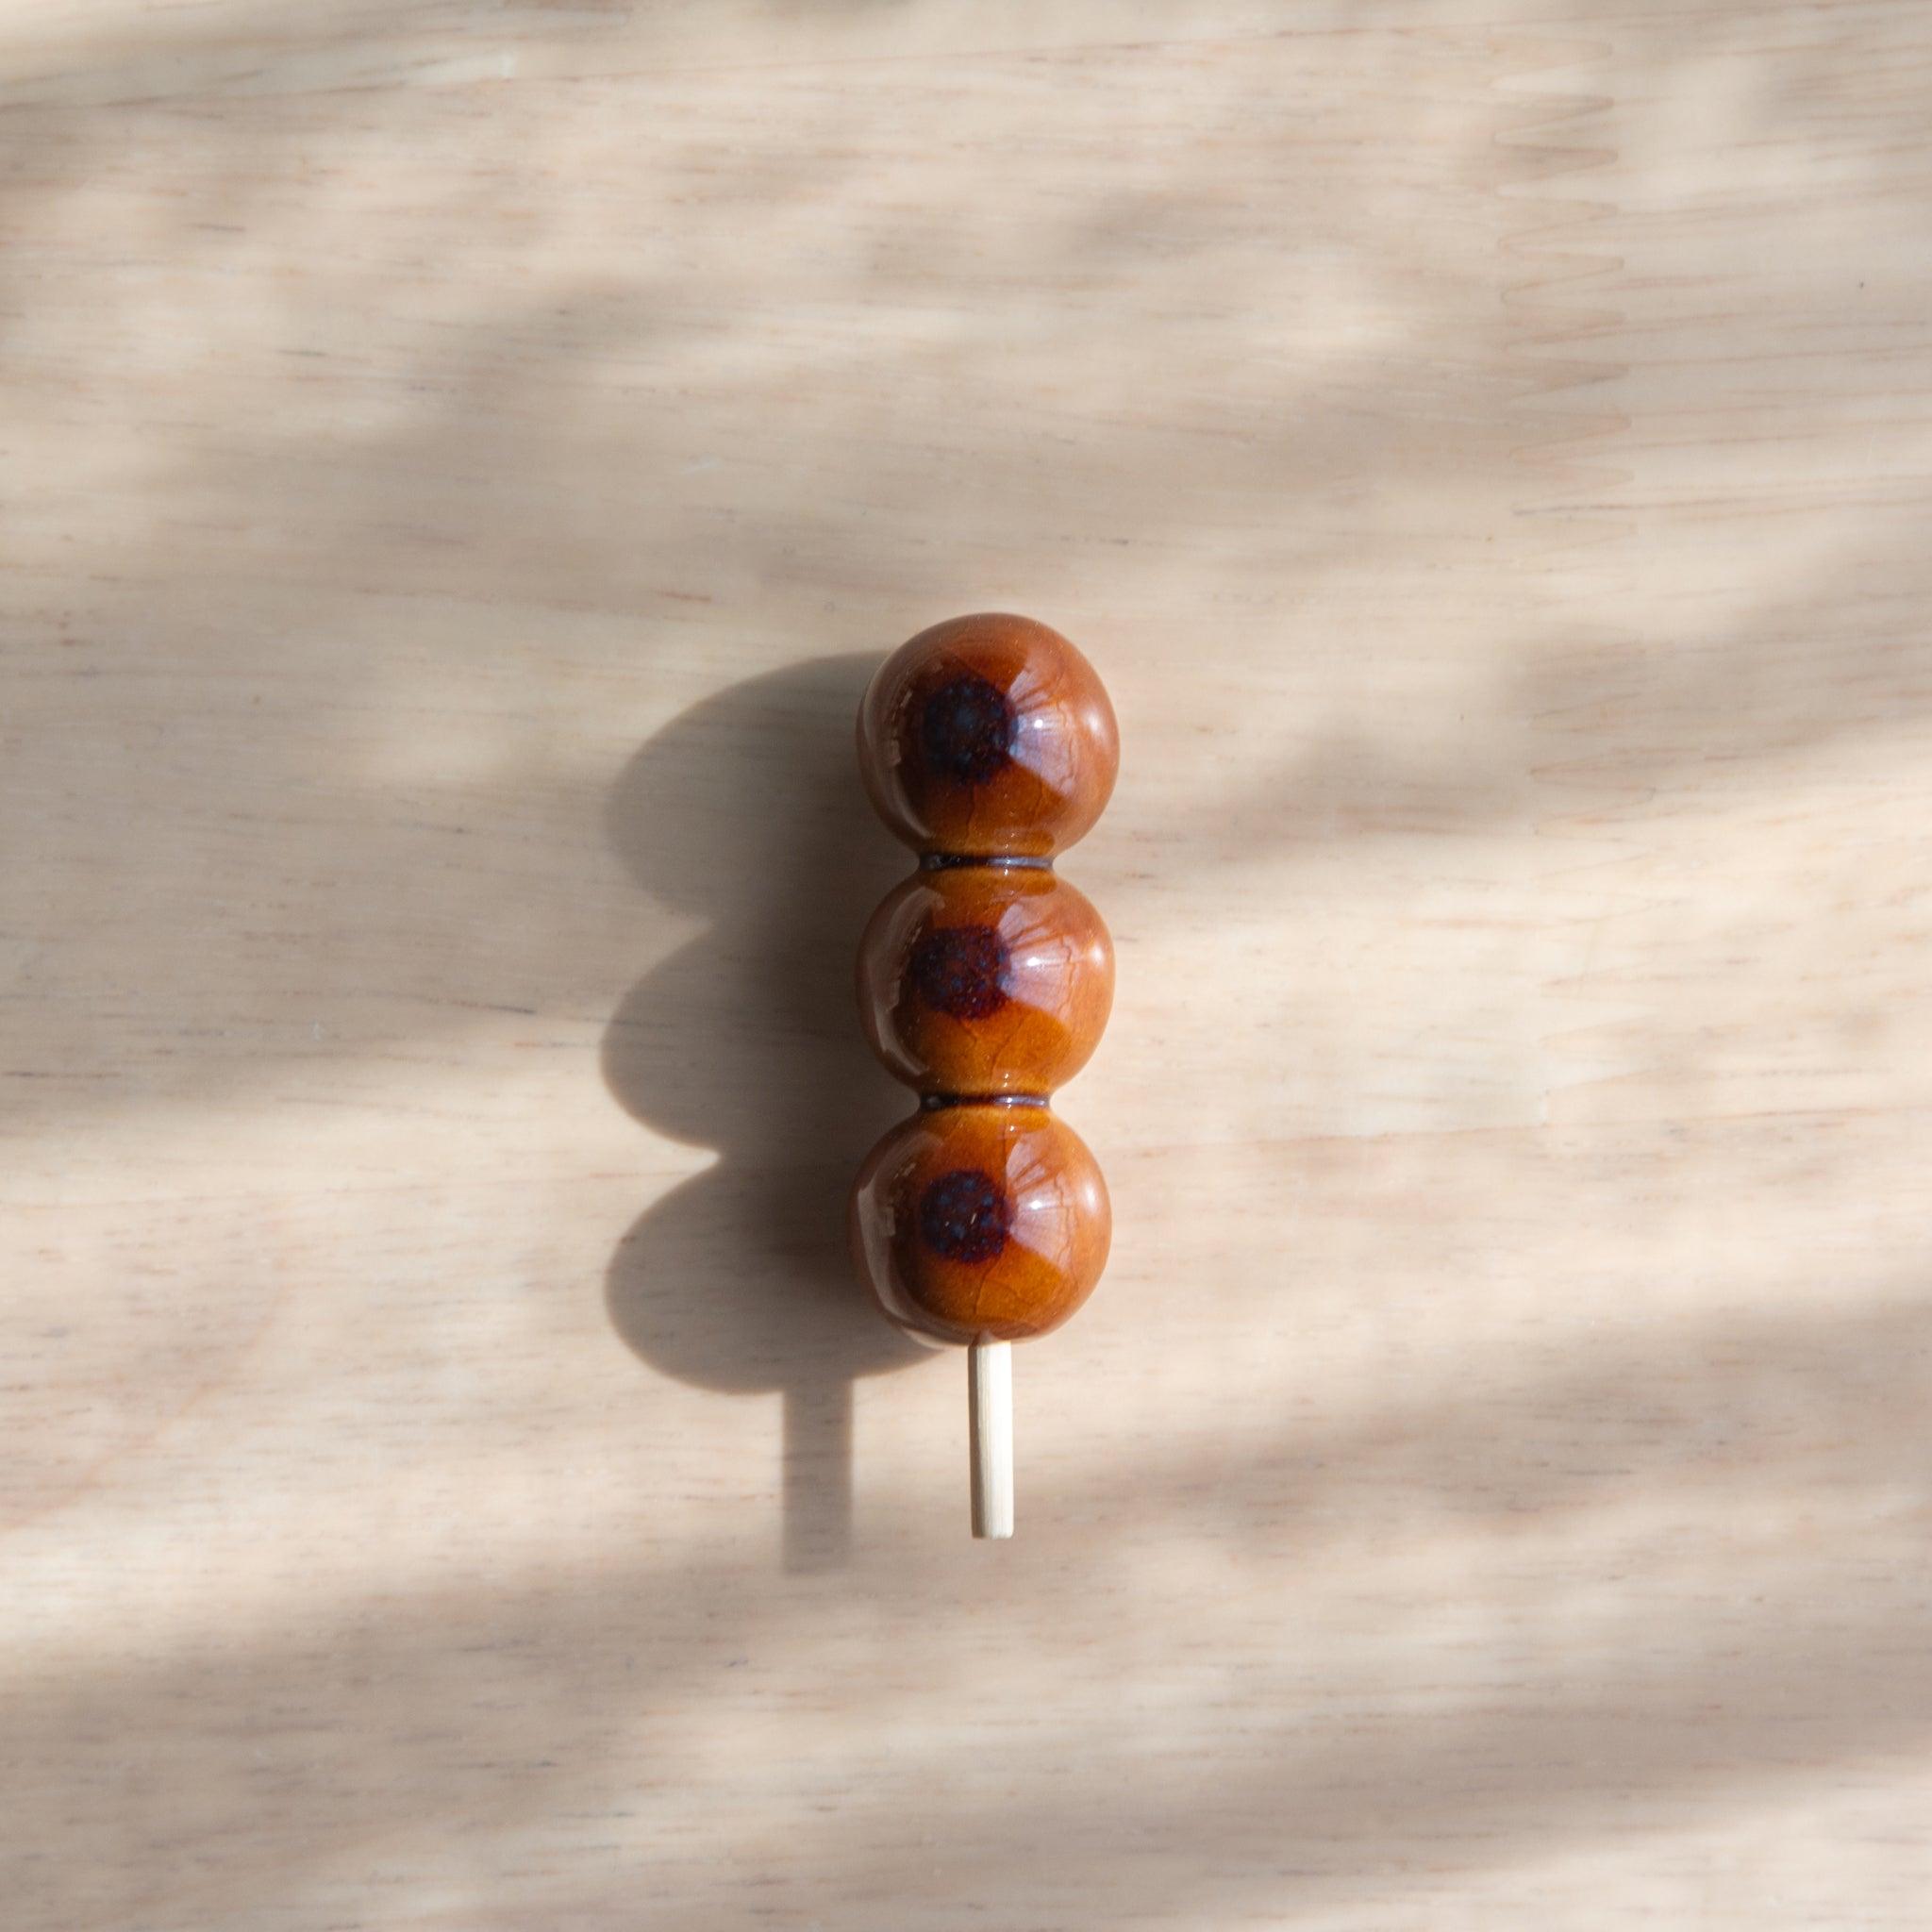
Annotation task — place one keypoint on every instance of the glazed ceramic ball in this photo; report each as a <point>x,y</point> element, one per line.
<point>981,1222</point>
<point>986,737</point>
<point>980,980</point>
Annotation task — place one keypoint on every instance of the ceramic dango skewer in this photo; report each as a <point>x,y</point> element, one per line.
<point>987,744</point>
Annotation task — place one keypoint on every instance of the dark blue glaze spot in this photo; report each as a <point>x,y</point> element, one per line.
<point>963,1216</point>
<point>966,729</point>
<point>958,970</point>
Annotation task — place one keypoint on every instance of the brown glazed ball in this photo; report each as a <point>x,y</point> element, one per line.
<point>980,1221</point>
<point>988,736</point>
<point>983,980</point>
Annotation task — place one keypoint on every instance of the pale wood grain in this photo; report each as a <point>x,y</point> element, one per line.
<point>461,461</point>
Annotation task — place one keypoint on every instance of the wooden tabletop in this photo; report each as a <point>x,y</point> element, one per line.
<point>463,461</point>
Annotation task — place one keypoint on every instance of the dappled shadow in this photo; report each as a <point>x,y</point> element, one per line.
<point>418,1737</point>
<point>407,448</point>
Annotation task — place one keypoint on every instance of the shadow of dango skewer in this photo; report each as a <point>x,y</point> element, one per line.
<point>744,815</point>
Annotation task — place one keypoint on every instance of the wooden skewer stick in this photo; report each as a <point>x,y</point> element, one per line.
<point>990,1409</point>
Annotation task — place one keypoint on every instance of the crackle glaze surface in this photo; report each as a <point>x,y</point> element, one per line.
<point>989,735</point>
<point>981,1221</point>
<point>982,980</point>
<point>989,744</point>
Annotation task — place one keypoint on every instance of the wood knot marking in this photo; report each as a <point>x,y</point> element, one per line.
<point>966,728</point>
<point>959,969</point>
<point>963,1216</point>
